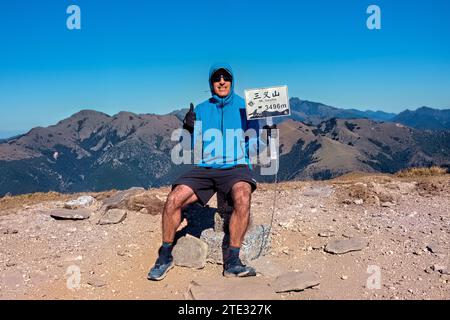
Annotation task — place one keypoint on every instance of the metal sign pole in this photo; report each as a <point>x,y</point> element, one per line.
<point>271,140</point>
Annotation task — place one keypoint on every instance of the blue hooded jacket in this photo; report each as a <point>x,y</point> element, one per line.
<point>224,116</point>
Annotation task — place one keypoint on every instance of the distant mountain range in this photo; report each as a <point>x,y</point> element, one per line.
<point>92,151</point>
<point>314,112</point>
<point>425,118</point>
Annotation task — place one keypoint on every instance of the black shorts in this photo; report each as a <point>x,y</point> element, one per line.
<point>207,181</point>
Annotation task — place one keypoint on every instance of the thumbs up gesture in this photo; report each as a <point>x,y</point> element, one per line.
<point>189,119</point>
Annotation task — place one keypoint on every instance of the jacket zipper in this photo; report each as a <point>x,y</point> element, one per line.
<point>221,129</point>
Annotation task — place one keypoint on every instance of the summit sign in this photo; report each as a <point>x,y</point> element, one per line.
<point>267,102</point>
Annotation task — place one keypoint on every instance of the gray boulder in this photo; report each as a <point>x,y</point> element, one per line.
<point>190,252</point>
<point>113,216</point>
<point>256,243</point>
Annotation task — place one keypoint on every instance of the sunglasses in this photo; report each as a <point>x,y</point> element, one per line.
<point>217,76</point>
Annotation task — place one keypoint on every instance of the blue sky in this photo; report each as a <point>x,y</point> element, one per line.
<point>153,57</point>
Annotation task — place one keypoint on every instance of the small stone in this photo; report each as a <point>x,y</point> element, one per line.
<point>343,277</point>
<point>295,281</point>
<point>440,268</point>
<point>96,282</point>
<point>81,202</point>
<point>68,214</point>
<point>387,204</point>
<point>113,216</point>
<point>9,231</point>
<point>346,245</point>
<point>326,234</point>
<point>318,191</point>
<point>434,248</point>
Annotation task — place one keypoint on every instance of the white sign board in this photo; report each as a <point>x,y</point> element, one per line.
<point>267,102</point>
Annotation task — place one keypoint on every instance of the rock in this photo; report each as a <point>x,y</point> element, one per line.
<point>145,200</point>
<point>267,267</point>
<point>96,282</point>
<point>10,263</point>
<point>434,248</point>
<point>68,214</point>
<point>376,200</point>
<point>326,234</point>
<point>345,245</point>
<point>190,252</point>
<point>344,277</point>
<point>387,204</point>
<point>253,288</point>
<point>221,221</point>
<point>113,216</point>
<point>295,281</point>
<point>11,280</point>
<point>119,200</point>
<point>441,269</point>
<point>81,202</point>
<point>256,243</point>
<point>318,191</point>
<point>287,225</point>
<point>358,201</point>
<point>9,231</point>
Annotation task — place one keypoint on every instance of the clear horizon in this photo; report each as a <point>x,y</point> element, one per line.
<point>155,57</point>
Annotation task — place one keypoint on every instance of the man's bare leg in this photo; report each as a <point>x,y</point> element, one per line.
<point>241,195</point>
<point>179,197</point>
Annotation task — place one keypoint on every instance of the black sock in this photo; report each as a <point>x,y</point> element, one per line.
<point>233,255</point>
<point>165,252</point>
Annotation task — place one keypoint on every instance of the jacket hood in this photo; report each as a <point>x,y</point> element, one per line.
<point>213,69</point>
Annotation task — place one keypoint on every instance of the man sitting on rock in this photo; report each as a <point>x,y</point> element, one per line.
<point>228,172</point>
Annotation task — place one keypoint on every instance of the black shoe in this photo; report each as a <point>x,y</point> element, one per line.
<point>238,269</point>
<point>162,265</point>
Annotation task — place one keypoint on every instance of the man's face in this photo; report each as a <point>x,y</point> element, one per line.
<point>221,87</point>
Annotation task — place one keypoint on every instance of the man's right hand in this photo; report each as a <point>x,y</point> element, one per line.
<point>189,119</point>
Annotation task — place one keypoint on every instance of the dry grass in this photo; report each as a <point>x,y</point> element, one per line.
<point>13,202</point>
<point>9,202</point>
<point>415,172</point>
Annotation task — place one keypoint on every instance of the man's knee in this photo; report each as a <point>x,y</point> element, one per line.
<point>241,195</point>
<point>178,196</point>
